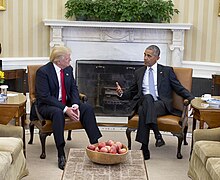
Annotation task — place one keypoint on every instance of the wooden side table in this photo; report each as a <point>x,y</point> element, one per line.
<point>14,107</point>
<point>16,74</point>
<point>216,84</point>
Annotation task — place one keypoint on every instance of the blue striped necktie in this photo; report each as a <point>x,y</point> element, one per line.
<point>151,84</point>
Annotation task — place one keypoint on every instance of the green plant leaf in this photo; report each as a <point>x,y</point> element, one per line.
<point>121,10</point>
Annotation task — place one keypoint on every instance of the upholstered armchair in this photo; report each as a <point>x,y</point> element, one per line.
<point>45,125</point>
<point>205,158</point>
<point>12,160</point>
<point>176,125</point>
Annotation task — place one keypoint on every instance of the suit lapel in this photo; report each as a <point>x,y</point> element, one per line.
<point>53,75</point>
<point>66,77</point>
<point>160,74</point>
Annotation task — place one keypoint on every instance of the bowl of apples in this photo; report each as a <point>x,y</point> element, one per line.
<point>109,152</point>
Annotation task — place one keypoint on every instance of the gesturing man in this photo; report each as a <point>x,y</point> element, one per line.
<point>151,96</point>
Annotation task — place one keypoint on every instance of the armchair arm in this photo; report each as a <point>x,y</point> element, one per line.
<point>11,131</point>
<point>186,102</point>
<point>83,97</point>
<point>206,134</point>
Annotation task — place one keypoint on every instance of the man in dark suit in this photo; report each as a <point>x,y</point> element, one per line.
<point>55,101</point>
<point>151,96</point>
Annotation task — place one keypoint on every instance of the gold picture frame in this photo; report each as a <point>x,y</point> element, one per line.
<point>219,8</point>
<point>2,5</point>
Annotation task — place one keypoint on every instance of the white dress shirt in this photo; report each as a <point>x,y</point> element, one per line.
<point>145,83</point>
<point>57,69</point>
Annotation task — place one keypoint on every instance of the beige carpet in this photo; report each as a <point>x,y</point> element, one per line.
<point>163,164</point>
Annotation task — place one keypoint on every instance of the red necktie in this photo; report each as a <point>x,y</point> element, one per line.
<point>63,89</point>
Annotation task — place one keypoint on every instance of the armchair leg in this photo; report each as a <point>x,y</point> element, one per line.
<point>180,141</point>
<point>128,134</point>
<point>43,137</point>
<point>184,135</point>
<point>31,128</point>
<point>69,135</point>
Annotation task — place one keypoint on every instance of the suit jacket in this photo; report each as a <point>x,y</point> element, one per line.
<point>47,88</point>
<point>167,82</point>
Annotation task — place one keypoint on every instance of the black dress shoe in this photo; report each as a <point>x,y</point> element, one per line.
<point>146,152</point>
<point>61,162</point>
<point>159,142</point>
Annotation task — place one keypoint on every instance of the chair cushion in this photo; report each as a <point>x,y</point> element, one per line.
<point>167,123</point>
<point>5,163</point>
<point>12,145</point>
<point>207,149</point>
<point>213,167</point>
<point>133,122</point>
<point>47,127</point>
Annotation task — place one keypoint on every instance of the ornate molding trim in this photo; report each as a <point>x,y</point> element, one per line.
<point>56,36</point>
<point>114,35</point>
<point>127,25</point>
<point>22,62</point>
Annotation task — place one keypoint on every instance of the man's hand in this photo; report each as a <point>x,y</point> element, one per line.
<point>73,113</point>
<point>118,89</point>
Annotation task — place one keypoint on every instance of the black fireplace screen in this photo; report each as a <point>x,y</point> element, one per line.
<point>96,79</point>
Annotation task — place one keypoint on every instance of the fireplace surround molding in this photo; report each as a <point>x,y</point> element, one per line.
<point>124,41</point>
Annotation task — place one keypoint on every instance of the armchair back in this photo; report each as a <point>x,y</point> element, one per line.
<point>184,75</point>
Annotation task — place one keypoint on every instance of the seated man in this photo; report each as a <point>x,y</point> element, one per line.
<point>151,96</point>
<point>57,96</point>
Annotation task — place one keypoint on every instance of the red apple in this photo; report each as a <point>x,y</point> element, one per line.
<point>115,146</point>
<point>110,142</point>
<point>122,151</point>
<point>119,144</point>
<point>108,147</point>
<point>103,149</point>
<point>97,149</point>
<point>101,144</point>
<point>91,147</point>
<point>113,150</point>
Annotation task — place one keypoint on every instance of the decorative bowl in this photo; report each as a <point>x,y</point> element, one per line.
<point>106,158</point>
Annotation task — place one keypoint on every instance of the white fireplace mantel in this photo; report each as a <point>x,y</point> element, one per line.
<point>119,40</point>
<point>96,24</point>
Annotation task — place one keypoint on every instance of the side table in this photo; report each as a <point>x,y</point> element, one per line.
<point>16,74</point>
<point>14,107</point>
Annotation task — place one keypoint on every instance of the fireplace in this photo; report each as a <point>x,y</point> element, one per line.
<point>96,79</point>
<point>116,41</point>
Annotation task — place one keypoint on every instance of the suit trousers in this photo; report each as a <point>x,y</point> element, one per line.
<point>148,112</point>
<point>87,119</point>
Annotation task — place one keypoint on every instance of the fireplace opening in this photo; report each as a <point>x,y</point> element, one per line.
<point>97,78</point>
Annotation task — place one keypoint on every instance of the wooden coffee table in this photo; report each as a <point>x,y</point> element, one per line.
<point>79,166</point>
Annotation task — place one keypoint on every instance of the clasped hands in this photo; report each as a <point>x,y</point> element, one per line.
<point>73,113</point>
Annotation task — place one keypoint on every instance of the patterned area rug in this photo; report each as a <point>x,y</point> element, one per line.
<point>80,167</point>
